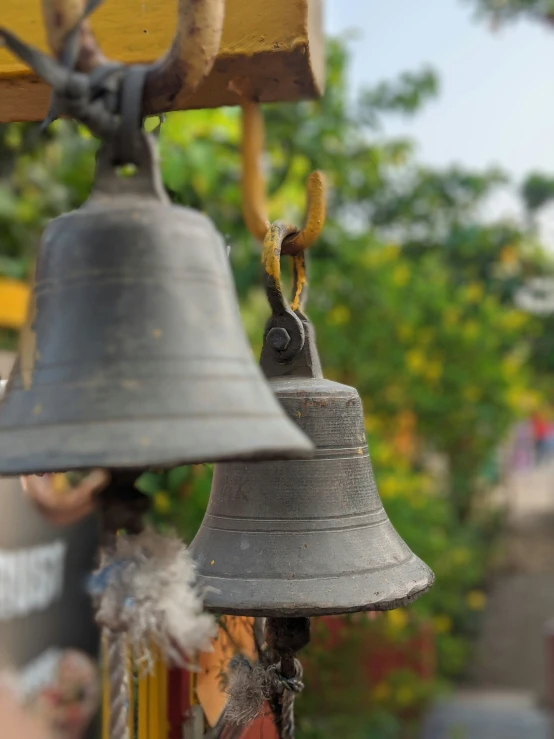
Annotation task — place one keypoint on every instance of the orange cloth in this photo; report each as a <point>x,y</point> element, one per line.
<point>236,636</point>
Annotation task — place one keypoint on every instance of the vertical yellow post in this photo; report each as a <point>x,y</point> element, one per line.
<point>164,723</point>
<point>142,702</point>
<point>193,698</point>
<point>131,686</point>
<point>154,697</point>
<point>105,690</point>
<point>150,702</point>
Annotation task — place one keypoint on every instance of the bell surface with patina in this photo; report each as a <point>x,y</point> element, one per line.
<point>134,354</point>
<point>304,537</point>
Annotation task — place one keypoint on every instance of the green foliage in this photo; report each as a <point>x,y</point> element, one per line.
<point>178,497</point>
<point>412,302</point>
<point>507,10</point>
<point>537,191</point>
<point>406,95</point>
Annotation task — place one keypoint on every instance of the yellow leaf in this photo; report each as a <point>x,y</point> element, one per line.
<point>461,556</point>
<point>442,624</point>
<point>471,393</point>
<point>470,330</point>
<point>405,695</point>
<point>391,252</point>
<point>404,331</point>
<point>415,360</point>
<point>162,502</point>
<point>401,275</point>
<point>451,316</point>
<point>474,292</point>
<point>509,255</point>
<point>398,618</point>
<point>339,315</point>
<point>514,320</point>
<point>476,600</point>
<point>434,371</point>
<point>388,488</point>
<point>511,366</point>
<point>381,691</point>
<point>372,423</point>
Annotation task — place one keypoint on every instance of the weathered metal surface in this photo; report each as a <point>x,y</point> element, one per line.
<point>134,354</point>
<point>276,44</point>
<point>305,537</point>
<point>310,537</point>
<point>190,58</point>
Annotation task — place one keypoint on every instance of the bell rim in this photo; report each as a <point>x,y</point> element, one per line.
<point>287,387</point>
<point>317,607</point>
<point>279,441</point>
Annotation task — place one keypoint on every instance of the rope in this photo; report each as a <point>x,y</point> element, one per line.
<point>119,684</point>
<point>288,687</point>
<point>121,507</point>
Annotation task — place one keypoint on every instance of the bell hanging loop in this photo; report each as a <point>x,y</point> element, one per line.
<point>284,332</point>
<point>289,338</point>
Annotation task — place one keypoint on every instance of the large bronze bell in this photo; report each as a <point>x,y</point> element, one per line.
<point>134,354</point>
<point>305,537</point>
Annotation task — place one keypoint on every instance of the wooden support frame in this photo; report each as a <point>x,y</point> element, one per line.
<point>276,45</point>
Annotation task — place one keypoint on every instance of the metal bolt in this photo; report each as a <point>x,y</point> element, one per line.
<point>278,339</point>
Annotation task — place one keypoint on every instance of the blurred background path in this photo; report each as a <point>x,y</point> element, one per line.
<point>508,688</point>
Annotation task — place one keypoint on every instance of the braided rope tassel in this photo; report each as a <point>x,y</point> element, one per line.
<point>121,507</point>
<point>288,688</point>
<point>116,654</point>
<point>285,637</point>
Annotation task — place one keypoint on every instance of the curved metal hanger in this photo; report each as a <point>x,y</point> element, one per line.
<point>289,347</point>
<point>183,67</point>
<point>254,203</point>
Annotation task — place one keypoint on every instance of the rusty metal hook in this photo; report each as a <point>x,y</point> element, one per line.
<point>179,71</point>
<point>254,193</point>
<point>276,237</point>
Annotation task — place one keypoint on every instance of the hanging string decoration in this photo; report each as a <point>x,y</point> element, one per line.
<point>146,588</point>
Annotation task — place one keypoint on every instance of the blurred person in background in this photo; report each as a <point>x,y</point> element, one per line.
<point>539,424</point>
<point>64,499</point>
<point>64,708</point>
<point>15,719</point>
<point>68,704</point>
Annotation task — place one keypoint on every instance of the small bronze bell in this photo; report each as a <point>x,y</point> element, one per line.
<point>134,354</point>
<point>310,537</point>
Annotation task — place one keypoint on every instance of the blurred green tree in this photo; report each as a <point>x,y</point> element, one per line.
<point>412,299</point>
<point>412,290</point>
<point>505,10</point>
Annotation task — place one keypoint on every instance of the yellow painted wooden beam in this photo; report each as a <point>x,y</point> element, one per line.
<point>14,299</point>
<point>276,45</point>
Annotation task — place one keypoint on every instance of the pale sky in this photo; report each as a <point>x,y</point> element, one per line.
<point>496,105</point>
